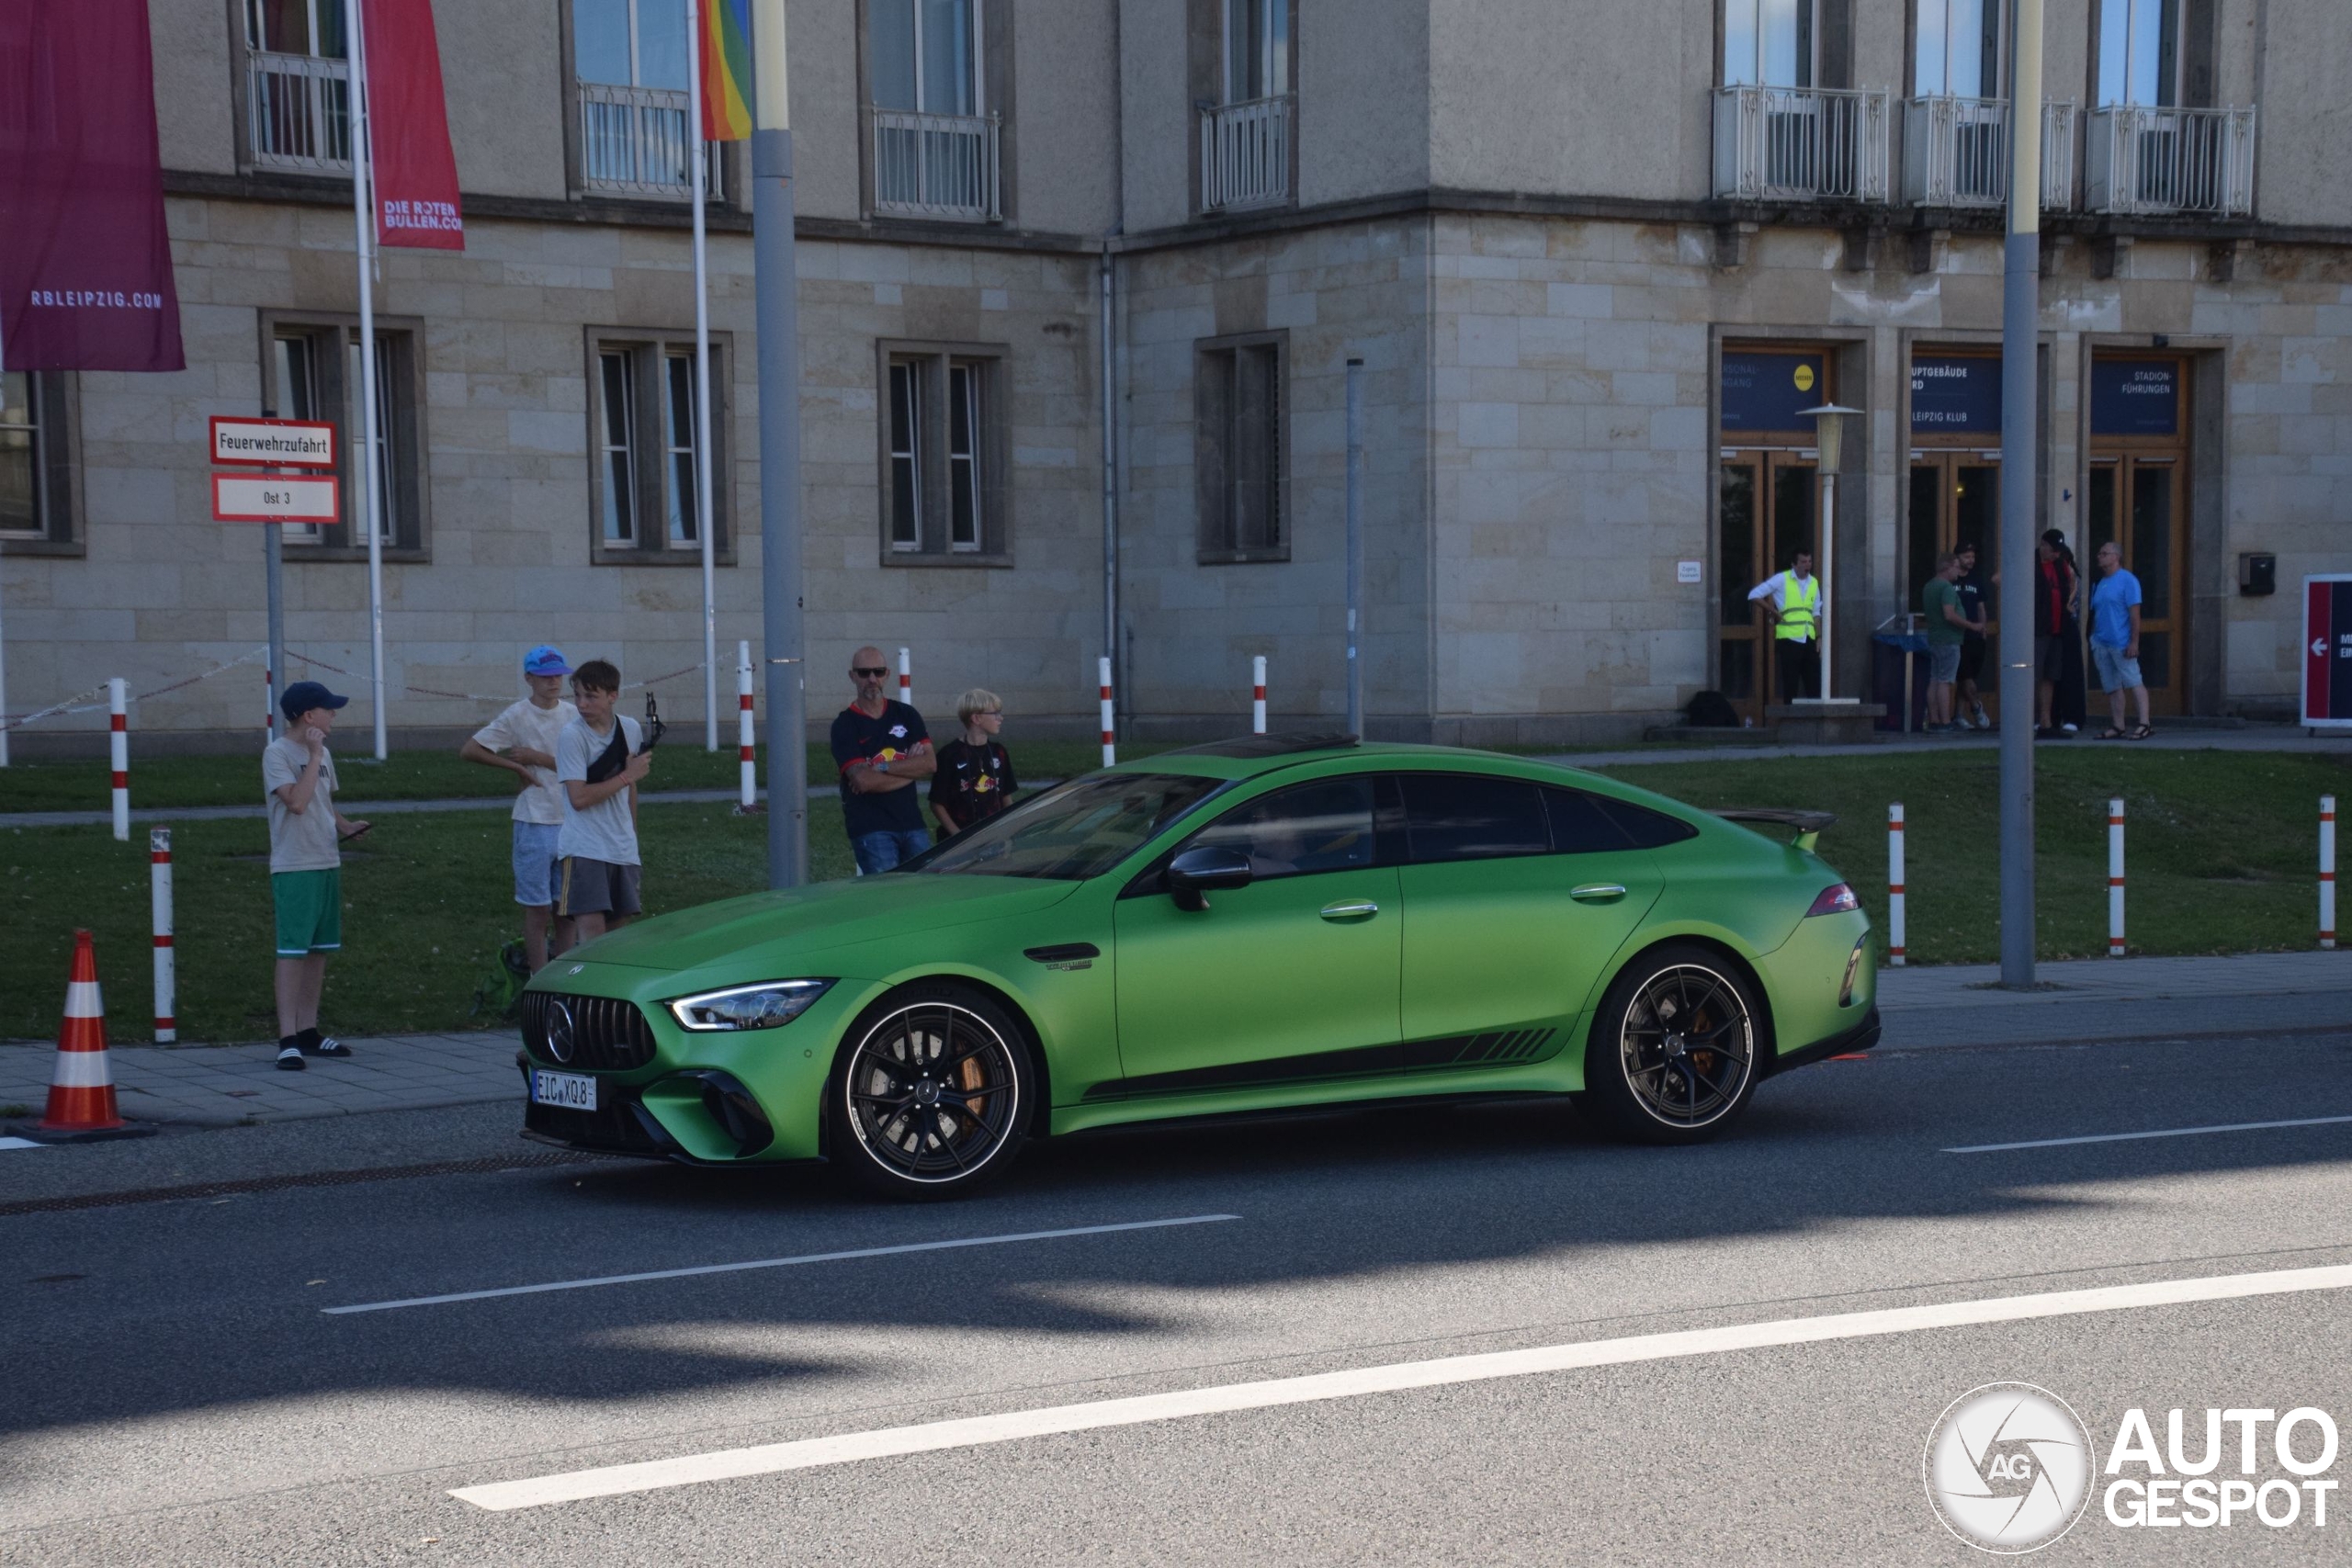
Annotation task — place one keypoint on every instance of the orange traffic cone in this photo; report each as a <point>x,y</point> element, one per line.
<point>81,1094</point>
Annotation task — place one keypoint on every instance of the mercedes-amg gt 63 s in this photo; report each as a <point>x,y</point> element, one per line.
<point>1273,921</point>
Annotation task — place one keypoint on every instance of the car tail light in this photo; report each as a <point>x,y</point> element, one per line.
<point>1836,899</point>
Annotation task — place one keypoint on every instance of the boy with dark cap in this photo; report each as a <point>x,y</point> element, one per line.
<point>306,838</point>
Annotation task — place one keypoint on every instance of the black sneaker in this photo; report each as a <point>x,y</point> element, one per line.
<point>289,1059</point>
<point>313,1044</point>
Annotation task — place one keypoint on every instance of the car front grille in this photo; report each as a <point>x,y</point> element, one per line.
<point>607,1034</point>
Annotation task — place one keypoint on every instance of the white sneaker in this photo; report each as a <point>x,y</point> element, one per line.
<point>1982,722</point>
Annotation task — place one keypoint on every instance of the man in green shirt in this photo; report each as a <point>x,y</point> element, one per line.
<point>1947,628</point>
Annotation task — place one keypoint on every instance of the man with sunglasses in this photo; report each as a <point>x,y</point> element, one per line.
<point>882,750</point>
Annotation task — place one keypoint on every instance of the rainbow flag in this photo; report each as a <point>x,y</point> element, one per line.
<point>725,45</point>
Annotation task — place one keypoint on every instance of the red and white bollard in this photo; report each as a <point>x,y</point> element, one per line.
<point>1258,696</point>
<point>118,744</point>
<point>1895,928</point>
<point>744,737</point>
<point>1110,740</point>
<point>2327,871</point>
<point>906,679</point>
<point>2115,878</point>
<point>159,859</point>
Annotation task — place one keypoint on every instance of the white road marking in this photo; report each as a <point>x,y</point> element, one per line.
<point>850,1447</point>
<point>19,1144</point>
<point>779,1263</point>
<point>2160,1133</point>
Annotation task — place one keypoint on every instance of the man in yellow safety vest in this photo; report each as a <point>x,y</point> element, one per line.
<point>1793,599</point>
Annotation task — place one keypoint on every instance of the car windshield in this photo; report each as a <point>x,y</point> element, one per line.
<point>1081,829</point>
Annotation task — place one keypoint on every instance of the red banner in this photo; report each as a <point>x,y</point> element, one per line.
<point>85,263</point>
<point>415,172</point>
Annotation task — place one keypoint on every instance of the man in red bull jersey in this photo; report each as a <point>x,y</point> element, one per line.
<point>883,751</point>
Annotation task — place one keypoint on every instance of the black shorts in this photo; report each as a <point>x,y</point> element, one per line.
<point>1972,658</point>
<point>2049,656</point>
<point>597,888</point>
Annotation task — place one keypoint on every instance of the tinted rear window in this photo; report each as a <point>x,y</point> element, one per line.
<point>1452,816</point>
<point>1648,829</point>
<point>1580,826</point>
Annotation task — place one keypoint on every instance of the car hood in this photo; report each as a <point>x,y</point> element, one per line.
<point>823,916</point>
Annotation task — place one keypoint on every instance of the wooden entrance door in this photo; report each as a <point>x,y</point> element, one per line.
<point>2135,499</point>
<point>1770,508</point>
<point>1956,501</point>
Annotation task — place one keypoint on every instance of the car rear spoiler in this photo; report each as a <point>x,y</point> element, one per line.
<point>1809,825</point>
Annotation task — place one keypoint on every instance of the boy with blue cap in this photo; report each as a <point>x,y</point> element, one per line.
<point>306,837</point>
<point>527,735</point>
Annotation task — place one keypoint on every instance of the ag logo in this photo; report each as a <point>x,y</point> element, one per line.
<point>2008,1467</point>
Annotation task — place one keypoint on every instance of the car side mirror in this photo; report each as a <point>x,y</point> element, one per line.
<point>1197,873</point>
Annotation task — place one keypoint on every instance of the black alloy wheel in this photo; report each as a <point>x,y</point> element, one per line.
<point>932,1095</point>
<point>1673,1054</point>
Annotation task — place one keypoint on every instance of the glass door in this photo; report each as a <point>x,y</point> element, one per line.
<point>1769,510</point>
<point>2135,500</point>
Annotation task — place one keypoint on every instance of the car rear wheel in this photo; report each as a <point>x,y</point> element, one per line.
<point>933,1094</point>
<point>1672,1057</point>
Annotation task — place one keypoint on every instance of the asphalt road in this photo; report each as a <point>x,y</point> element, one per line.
<point>176,1392</point>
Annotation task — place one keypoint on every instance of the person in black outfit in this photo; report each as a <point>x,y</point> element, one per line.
<point>1970,713</point>
<point>882,750</point>
<point>975,778</point>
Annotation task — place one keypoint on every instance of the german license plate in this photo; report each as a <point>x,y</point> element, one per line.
<point>573,1091</point>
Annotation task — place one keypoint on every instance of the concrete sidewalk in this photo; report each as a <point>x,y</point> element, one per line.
<point>2085,1000</point>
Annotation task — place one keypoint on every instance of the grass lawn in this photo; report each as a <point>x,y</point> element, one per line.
<point>2222,859</point>
<point>680,763</point>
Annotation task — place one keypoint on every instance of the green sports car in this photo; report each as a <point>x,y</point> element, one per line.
<point>1273,921</point>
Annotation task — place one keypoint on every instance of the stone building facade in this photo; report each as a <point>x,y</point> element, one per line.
<point>1588,255</point>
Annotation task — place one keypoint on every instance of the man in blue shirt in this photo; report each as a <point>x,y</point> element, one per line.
<point>882,749</point>
<point>2115,642</point>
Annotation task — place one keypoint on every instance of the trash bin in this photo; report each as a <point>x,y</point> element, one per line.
<point>1899,679</point>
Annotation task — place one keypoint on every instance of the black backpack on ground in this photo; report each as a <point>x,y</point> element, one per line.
<point>1710,710</point>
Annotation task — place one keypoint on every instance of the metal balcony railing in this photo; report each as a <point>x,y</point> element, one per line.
<point>636,140</point>
<point>1245,154</point>
<point>297,110</point>
<point>936,165</point>
<point>1956,152</point>
<point>2139,159</point>
<point>1802,144</point>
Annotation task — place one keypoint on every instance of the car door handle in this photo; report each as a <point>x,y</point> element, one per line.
<point>1353,910</point>
<point>1595,892</point>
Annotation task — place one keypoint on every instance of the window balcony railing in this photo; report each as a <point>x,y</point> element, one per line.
<point>1801,144</point>
<point>2139,159</point>
<point>1956,152</point>
<point>936,165</point>
<point>1245,154</point>
<point>298,111</point>
<point>635,141</point>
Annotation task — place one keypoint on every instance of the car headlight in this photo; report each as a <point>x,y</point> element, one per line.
<point>765,1006</point>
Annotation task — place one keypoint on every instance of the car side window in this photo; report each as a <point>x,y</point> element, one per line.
<point>1450,817</point>
<point>1323,826</point>
<point>1582,825</point>
<point>1648,829</point>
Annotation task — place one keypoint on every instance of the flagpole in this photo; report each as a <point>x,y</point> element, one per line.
<point>704,510</point>
<point>4,587</point>
<point>362,130</point>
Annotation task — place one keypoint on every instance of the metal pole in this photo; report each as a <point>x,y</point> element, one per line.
<point>273,551</point>
<point>776,271</point>
<point>2020,313</point>
<point>1110,471</point>
<point>1258,696</point>
<point>704,512</point>
<point>1355,546</point>
<point>364,235</point>
<point>4,588</point>
<point>1823,616</point>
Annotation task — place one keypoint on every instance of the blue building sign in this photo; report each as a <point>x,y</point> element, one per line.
<point>1764,391</point>
<point>2135,397</point>
<point>1955,394</point>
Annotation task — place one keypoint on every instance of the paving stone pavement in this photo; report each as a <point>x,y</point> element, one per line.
<point>1950,1005</point>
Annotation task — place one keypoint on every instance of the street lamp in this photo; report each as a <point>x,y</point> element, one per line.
<point>1829,436</point>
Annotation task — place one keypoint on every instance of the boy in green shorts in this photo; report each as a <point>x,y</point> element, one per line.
<point>306,834</point>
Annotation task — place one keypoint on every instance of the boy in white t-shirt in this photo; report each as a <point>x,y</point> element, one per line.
<point>527,734</point>
<point>597,764</point>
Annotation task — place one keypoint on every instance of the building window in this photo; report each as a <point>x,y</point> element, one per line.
<point>941,452</point>
<point>298,104</point>
<point>630,63</point>
<point>2139,53</point>
<point>313,371</point>
<point>1238,390</point>
<point>1256,50</point>
<point>36,469</point>
<point>927,55</point>
<point>643,429</point>
<point>936,136</point>
<point>1959,49</point>
<point>1769,43</point>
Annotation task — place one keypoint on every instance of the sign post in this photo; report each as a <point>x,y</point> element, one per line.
<point>260,447</point>
<point>2326,703</point>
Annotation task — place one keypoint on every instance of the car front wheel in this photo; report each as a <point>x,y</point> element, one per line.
<point>1672,1057</point>
<point>933,1094</point>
